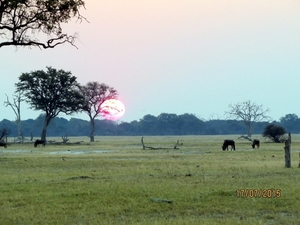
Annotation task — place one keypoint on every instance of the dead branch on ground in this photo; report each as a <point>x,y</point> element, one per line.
<point>245,137</point>
<point>157,148</point>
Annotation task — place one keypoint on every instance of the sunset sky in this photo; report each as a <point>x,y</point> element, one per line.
<point>176,56</point>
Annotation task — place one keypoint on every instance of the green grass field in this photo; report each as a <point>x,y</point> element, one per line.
<point>115,181</point>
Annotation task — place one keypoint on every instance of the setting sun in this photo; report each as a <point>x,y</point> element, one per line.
<point>112,109</point>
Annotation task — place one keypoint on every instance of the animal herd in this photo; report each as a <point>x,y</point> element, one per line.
<point>231,143</point>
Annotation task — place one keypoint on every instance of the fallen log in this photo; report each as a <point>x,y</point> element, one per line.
<point>245,137</point>
<point>157,148</point>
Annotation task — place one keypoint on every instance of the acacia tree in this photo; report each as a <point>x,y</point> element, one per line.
<point>53,91</point>
<point>22,20</point>
<point>16,107</point>
<point>249,112</point>
<point>95,94</point>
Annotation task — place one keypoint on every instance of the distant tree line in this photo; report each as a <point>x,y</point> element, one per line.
<point>163,124</point>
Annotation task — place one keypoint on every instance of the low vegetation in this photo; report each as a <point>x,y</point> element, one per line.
<point>115,181</point>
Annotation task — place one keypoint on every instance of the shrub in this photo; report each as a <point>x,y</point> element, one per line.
<point>274,132</point>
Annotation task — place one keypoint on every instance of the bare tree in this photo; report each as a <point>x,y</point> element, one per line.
<point>249,112</point>
<point>65,138</point>
<point>95,94</point>
<point>16,107</point>
<point>22,20</point>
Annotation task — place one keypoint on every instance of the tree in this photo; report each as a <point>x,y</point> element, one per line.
<point>148,125</point>
<point>95,94</point>
<point>16,107</point>
<point>190,124</point>
<point>22,20</point>
<point>167,123</point>
<point>53,91</point>
<point>274,133</point>
<point>249,112</point>
<point>291,122</point>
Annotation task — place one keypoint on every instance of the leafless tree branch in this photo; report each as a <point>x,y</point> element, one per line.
<point>22,20</point>
<point>249,112</point>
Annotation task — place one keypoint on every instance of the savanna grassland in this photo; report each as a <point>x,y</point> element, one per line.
<point>115,181</point>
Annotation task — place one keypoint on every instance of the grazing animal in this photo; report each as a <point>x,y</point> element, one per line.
<point>227,143</point>
<point>255,142</point>
<point>38,142</point>
<point>2,144</point>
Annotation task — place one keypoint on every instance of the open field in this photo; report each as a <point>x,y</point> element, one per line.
<point>115,181</point>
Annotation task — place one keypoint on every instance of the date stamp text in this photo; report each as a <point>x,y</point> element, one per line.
<point>258,193</point>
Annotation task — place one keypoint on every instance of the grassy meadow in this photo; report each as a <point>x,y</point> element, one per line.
<point>115,181</point>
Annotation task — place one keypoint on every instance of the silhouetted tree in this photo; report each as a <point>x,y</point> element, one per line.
<point>95,94</point>
<point>53,91</point>
<point>274,132</point>
<point>249,112</point>
<point>22,20</point>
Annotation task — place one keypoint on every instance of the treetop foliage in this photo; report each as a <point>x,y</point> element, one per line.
<point>53,91</point>
<point>22,20</point>
<point>95,94</point>
<point>274,132</point>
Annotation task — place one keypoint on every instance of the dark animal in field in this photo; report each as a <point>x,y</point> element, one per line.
<point>39,142</point>
<point>227,143</point>
<point>255,142</point>
<point>2,144</point>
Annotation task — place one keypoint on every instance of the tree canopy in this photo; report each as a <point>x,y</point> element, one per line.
<point>290,122</point>
<point>53,92</point>
<point>21,21</point>
<point>274,132</point>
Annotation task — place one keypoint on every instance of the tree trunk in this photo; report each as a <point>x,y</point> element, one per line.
<point>249,129</point>
<point>20,136</point>
<point>92,122</point>
<point>249,133</point>
<point>44,131</point>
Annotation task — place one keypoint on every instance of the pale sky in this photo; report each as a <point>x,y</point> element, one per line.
<point>176,56</point>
